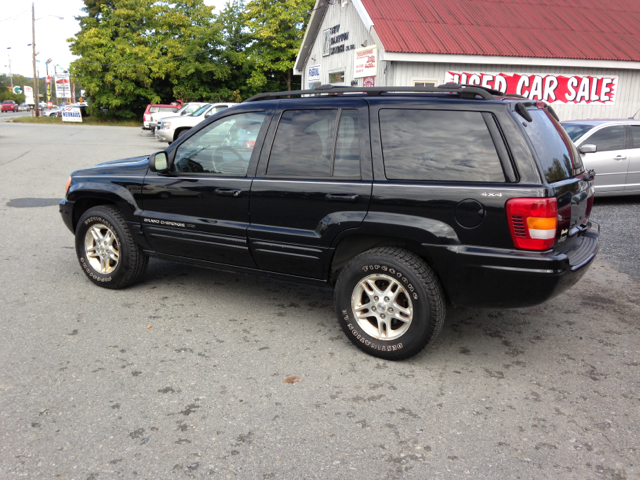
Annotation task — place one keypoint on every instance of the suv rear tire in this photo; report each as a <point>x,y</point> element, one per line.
<point>106,250</point>
<point>389,303</point>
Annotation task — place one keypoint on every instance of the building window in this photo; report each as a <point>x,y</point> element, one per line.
<point>336,77</point>
<point>425,83</point>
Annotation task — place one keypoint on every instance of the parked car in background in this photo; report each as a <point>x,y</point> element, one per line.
<point>54,112</point>
<point>153,108</point>
<point>187,109</point>
<point>24,108</point>
<point>612,149</point>
<point>9,106</point>
<point>171,128</point>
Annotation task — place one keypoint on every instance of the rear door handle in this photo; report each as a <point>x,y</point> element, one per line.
<point>619,157</point>
<point>228,192</point>
<point>341,197</point>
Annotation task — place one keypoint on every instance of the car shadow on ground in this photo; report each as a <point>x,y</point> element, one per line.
<point>465,330</point>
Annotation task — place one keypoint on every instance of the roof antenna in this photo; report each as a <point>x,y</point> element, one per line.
<point>632,117</point>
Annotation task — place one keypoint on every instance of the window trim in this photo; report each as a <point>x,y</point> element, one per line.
<point>415,80</point>
<point>337,70</point>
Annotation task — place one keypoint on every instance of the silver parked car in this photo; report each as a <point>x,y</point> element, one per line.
<point>612,149</point>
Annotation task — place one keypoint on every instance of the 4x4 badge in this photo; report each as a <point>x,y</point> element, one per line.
<point>485,194</point>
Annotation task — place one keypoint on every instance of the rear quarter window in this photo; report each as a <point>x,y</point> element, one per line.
<point>555,150</point>
<point>438,145</point>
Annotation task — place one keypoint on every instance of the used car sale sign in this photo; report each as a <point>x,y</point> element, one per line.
<point>575,89</point>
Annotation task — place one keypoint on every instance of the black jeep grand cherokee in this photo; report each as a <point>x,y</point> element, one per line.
<point>403,199</point>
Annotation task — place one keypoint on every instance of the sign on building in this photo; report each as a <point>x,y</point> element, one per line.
<point>366,62</point>
<point>313,76</point>
<point>576,89</point>
<point>71,114</point>
<point>63,86</point>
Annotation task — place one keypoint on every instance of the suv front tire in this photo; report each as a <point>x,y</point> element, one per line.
<point>106,250</point>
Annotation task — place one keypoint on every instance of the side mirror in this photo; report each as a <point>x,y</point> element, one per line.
<point>588,148</point>
<point>158,162</point>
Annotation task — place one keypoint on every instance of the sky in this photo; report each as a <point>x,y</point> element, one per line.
<point>51,33</point>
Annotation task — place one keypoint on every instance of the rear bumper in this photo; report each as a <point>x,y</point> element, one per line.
<point>498,278</point>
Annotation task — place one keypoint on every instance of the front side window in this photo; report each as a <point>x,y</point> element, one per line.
<point>608,139</point>
<point>438,145</point>
<point>635,135</point>
<point>305,144</point>
<point>221,148</point>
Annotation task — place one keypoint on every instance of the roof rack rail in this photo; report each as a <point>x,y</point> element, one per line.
<point>465,91</point>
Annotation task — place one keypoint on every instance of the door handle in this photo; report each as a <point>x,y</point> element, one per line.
<point>341,197</point>
<point>228,192</point>
<point>619,157</point>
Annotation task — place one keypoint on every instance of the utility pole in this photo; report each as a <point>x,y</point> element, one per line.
<point>10,75</point>
<point>35,76</point>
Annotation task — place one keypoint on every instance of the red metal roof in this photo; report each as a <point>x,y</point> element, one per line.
<point>579,29</point>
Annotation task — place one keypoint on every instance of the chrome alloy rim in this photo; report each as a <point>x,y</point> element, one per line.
<point>382,307</point>
<point>102,248</point>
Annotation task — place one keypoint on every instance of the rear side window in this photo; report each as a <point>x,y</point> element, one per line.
<point>635,135</point>
<point>608,139</point>
<point>305,144</point>
<point>557,154</point>
<point>438,145</point>
<point>167,109</point>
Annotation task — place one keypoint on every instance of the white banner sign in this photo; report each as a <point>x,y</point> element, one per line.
<point>71,114</point>
<point>28,95</point>
<point>63,86</point>
<point>576,89</point>
<point>366,62</point>
<point>313,74</point>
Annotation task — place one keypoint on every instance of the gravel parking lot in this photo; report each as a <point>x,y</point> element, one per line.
<point>203,374</point>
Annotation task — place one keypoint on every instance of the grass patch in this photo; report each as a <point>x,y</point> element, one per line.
<point>85,121</point>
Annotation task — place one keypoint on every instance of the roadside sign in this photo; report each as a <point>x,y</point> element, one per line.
<point>63,86</point>
<point>71,114</point>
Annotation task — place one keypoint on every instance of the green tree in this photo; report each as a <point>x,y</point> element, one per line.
<point>234,54</point>
<point>277,27</point>
<point>136,52</point>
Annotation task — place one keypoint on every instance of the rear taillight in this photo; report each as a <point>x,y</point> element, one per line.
<point>533,222</point>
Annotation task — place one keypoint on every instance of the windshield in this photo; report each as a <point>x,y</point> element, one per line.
<point>576,130</point>
<point>197,113</point>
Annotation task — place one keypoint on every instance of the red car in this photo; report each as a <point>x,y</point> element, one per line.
<point>155,108</point>
<point>9,106</point>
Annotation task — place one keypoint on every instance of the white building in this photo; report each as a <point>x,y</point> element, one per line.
<point>585,61</point>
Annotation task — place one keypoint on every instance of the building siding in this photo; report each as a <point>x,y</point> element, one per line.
<point>627,100</point>
<point>349,20</point>
<point>627,97</point>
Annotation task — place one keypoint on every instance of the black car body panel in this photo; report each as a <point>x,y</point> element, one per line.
<point>306,228</point>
